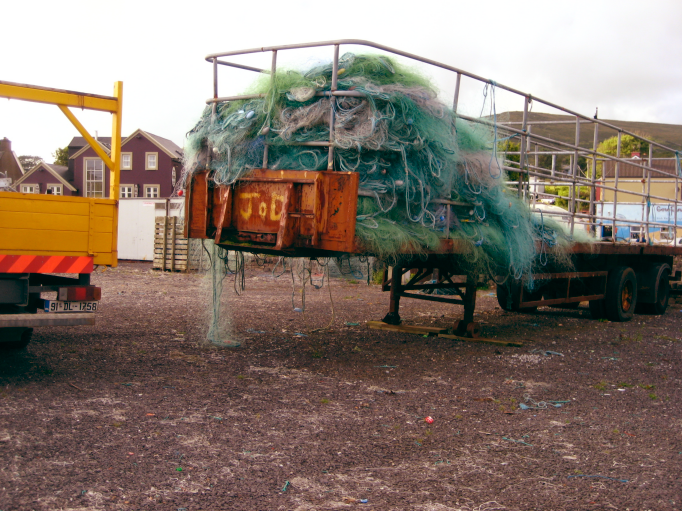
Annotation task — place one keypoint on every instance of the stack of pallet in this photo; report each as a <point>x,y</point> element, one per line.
<point>170,247</point>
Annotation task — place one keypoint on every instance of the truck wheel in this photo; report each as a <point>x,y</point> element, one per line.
<point>507,298</point>
<point>662,291</point>
<point>621,294</point>
<point>598,309</point>
<point>503,298</point>
<point>15,338</point>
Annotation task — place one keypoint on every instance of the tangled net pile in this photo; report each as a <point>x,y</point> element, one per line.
<point>408,147</point>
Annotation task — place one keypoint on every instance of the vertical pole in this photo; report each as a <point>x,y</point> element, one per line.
<point>537,169</point>
<point>164,251</point>
<point>522,152</point>
<point>215,87</point>
<point>393,316</point>
<point>677,199</point>
<point>273,70</point>
<point>526,187</point>
<point>469,300</point>
<point>641,221</point>
<point>455,101</point>
<point>115,172</point>
<point>332,102</point>
<point>648,193</point>
<point>553,172</point>
<point>615,186</point>
<point>172,261</point>
<point>214,112</point>
<point>574,176</point>
<point>593,190</point>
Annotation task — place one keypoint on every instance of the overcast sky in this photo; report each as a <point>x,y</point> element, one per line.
<point>623,56</point>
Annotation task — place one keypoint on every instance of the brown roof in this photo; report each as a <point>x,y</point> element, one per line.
<point>170,146</point>
<point>667,166</point>
<point>78,143</point>
<point>61,170</point>
<point>81,142</point>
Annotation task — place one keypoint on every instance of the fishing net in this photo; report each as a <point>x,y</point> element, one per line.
<point>220,332</point>
<point>411,151</point>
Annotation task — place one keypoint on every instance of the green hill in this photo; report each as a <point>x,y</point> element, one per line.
<point>666,134</point>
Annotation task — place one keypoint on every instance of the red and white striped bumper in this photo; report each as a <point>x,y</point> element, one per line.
<point>45,264</point>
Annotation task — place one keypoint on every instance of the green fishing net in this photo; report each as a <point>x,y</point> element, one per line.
<point>411,151</point>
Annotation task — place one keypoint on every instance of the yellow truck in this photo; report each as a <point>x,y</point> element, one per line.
<point>50,244</point>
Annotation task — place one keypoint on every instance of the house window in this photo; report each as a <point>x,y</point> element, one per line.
<point>126,161</point>
<point>94,177</point>
<point>126,191</point>
<point>151,191</point>
<point>30,188</point>
<point>54,189</point>
<point>667,234</point>
<point>152,161</point>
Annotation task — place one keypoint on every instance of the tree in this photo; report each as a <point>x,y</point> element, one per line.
<point>28,162</point>
<point>61,156</point>
<point>628,145</point>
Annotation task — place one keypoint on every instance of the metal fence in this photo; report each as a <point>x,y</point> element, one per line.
<point>532,146</point>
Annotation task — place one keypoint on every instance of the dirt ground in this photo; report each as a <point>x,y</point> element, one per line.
<point>138,412</point>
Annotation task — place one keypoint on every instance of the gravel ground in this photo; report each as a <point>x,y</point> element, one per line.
<point>139,412</point>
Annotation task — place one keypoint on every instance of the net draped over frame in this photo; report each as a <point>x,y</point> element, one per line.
<point>410,150</point>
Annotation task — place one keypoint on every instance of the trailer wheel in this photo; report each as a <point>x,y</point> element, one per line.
<point>15,338</point>
<point>661,290</point>
<point>507,298</point>
<point>621,294</point>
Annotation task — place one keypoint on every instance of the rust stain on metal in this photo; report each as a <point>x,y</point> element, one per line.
<point>283,210</point>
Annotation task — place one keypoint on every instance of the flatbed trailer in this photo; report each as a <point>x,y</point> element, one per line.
<point>45,237</point>
<point>313,213</point>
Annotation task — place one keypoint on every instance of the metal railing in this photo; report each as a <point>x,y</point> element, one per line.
<point>573,179</point>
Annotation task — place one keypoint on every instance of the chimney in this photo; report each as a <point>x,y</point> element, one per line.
<point>5,145</point>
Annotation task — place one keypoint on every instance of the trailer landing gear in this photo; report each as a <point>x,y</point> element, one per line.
<point>432,278</point>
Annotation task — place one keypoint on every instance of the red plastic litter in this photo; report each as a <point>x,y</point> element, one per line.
<point>429,420</point>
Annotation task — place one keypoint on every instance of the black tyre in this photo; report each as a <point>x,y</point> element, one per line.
<point>504,298</point>
<point>661,290</point>
<point>508,298</point>
<point>15,338</point>
<point>621,294</point>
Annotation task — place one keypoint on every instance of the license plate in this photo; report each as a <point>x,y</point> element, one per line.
<point>59,306</point>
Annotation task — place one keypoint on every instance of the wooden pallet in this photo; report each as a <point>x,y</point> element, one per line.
<point>440,332</point>
<point>171,249</point>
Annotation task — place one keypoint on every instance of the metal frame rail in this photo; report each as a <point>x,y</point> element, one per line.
<point>573,179</point>
<point>591,284</point>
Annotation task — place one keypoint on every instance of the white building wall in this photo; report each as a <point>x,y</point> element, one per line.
<point>136,218</point>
